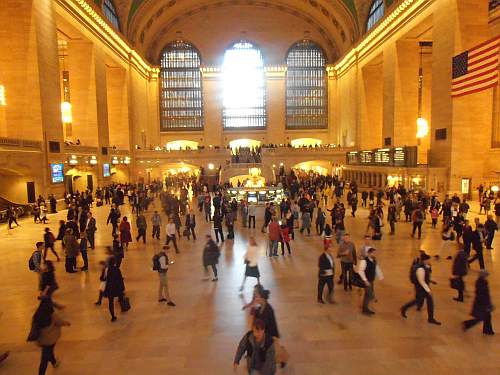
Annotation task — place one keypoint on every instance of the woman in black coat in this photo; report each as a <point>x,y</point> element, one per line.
<point>482,307</point>
<point>115,287</point>
<point>459,270</point>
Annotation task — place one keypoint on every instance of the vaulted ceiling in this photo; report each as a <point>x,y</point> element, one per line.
<point>149,25</point>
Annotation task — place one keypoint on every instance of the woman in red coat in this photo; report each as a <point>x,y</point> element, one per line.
<point>125,235</point>
<point>285,239</point>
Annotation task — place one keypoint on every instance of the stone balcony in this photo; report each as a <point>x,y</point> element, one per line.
<point>9,144</point>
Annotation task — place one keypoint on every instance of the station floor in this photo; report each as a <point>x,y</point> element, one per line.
<point>200,335</point>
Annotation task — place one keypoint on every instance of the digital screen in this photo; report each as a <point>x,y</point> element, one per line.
<point>105,170</point>
<point>382,156</point>
<point>57,172</point>
<point>399,156</point>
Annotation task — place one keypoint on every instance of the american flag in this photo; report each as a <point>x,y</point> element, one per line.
<point>476,69</point>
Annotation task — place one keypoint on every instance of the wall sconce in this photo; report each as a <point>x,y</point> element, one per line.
<point>115,160</point>
<point>126,160</point>
<point>93,160</point>
<point>3,100</point>
<point>73,160</point>
<point>211,166</point>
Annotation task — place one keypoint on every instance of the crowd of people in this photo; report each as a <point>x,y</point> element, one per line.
<point>311,199</point>
<point>246,154</point>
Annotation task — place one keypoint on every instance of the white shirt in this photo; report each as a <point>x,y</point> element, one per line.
<point>252,255</point>
<point>251,210</point>
<point>171,230</point>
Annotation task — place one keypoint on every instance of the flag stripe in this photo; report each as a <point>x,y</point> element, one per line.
<point>474,91</point>
<point>494,46</point>
<point>475,83</point>
<point>476,69</point>
<point>472,77</point>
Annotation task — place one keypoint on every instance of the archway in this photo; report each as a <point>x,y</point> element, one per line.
<point>305,142</point>
<point>181,145</point>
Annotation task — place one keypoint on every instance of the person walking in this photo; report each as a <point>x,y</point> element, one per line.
<point>115,287</point>
<point>417,218</point>
<point>251,215</point>
<point>160,264</point>
<point>11,216</point>
<point>392,217</point>
<point>490,227</point>
<point>251,262</point>
<point>459,270</point>
<point>285,239</point>
<point>482,307</point>
<point>274,236</point>
<point>190,224</point>
<point>306,223</point>
<point>49,240</point>
<point>113,218</point>
<point>477,245</point>
<point>125,234</point>
<point>211,254</point>
<point>259,349</point>
<point>348,259</point>
<point>421,278</point>
<point>46,331</point>
<point>217,219</point>
<point>326,273</point>
<point>320,221</point>
<point>171,231</point>
<point>156,222</point>
<point>368,270</point>
<point>142,227</point>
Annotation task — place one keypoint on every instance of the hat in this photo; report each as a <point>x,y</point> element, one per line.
<point>424,256</point>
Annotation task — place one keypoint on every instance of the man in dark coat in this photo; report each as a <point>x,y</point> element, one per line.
<point>482,307</point>
<point>211,253</point>
<point>326,265</point>
<point>459,270</point>
<point>115,287</point>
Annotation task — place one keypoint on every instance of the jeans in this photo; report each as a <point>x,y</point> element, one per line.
<point>163,289</point>
<point>322,280</point>
<point>191,232</point>
<point>174,240</point>
<point>85,259</point>
<point>91,238</point>
<point>156,231</point>
<point>273,247</point>
<point>347,269</point>
<point>368,296</point>
<point>214,270</point>
<point>417,225</point>
<point>47,356</point>
<point>420,296</point>
<point>219,232</point>
<point>250,219</point>
<point>141,233</point>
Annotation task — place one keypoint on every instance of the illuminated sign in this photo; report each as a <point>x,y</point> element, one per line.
<point>106,170</point>
<point>57,172</point>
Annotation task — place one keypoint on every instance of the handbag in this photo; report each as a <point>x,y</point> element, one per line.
<point>456,283</point>
<point>125,304</point>
<point>357,281</point>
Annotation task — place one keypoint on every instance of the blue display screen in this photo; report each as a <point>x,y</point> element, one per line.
<point>105,170</point>
<point>57,172</point>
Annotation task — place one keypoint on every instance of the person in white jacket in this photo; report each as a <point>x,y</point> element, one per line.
<point>251,262</point>
<point>368,269</point>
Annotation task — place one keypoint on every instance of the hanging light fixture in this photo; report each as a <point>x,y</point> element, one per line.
<point>422,124</point>
<point>66,107</point>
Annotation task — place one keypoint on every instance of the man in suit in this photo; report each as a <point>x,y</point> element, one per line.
<point>326,266</point>
<point>91,229</point>
<point>190,224</point>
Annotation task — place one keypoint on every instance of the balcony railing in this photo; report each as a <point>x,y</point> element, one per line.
<point>20,143</point>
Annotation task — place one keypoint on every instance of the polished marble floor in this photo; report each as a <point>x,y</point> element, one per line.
<point>200,334</point>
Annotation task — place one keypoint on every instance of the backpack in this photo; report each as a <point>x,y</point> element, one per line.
<point>156,262</point>
<point>31,262</point>
<point>413,270</point>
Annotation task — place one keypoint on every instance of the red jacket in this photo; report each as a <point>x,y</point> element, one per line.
<point>284,234</point>
<point>274,231</point>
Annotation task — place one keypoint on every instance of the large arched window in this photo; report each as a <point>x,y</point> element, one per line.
<point>376,13</point>
<point>243,91</point>
<point>110,12</point>
<point>181,100</point>
<point>306,87</point>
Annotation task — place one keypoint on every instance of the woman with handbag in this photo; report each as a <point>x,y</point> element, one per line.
<point>482,307</point>
<point>46,331</point>
<point>115,287</point>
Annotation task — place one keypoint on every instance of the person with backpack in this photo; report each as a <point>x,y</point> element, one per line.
<point>420,276</point>
<point>211,254</point>
<point>46,331</point>
<point>160,264</point>
<point>368,270</point>
<point>35,261</point>
<point>49,240</point>
<point>417,218</point>
<point>260,351</point>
